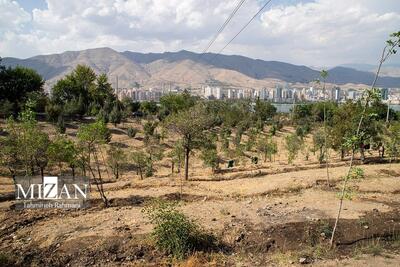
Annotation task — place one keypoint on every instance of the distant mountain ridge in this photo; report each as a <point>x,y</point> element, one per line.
<point>185,67</point>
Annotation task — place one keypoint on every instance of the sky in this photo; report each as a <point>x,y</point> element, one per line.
<point>321,33</point>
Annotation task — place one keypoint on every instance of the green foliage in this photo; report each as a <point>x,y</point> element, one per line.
<point>61,124</point>
<point>264,111</point>
<point>83,92</point>
<point>6,260</point>
<point>173,103</point>
<point>319,144</point>
<point>225,134</point>
<point>267,147</point>
<point>116,157</point>
<point>149,128</point>
<point>149,107</point>
<point>302,114</point>
<point>115,116</point>
<point>140,159</point>
<point>356,174</point>
<point>94,133</point>
<point>132,132</point>
<point>63,151</point>
<point>174,233</point>
<point>191,125</point>
<point>251,140</point>
<point>293,145</point>
<point>16,84</point>
<point>303,130</point>
<point>392,140</point>
<point>210,158</point>
<point>177,155</point>
<point>6,108</point>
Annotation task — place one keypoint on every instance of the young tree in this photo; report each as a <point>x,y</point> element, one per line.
<point>267,147</point>
<point>390,48</point>
<point>177,155</point>
<point>140,160</point>
<point>115,115</point>
<point>191,125</point>
<point>91,136</point>
<point>319,144</point>
<point>392,140</point>
<point>116,157</point>
<point>210,157</point>
<point>293,145</point>
<point>63,151</point>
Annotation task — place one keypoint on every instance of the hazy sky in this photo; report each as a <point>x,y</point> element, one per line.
<point>315,33</point>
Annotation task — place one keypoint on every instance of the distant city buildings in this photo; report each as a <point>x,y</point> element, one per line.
<point>280,93</point>
<point>142,94</point>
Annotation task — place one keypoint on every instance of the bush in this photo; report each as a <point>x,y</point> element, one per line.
<point>132,132</point>
<point>6,260</point>
<point>174,233</point>
<point>61,125</point>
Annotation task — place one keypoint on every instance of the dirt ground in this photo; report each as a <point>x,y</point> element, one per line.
<point>241,211</point>
<point>272,214</point>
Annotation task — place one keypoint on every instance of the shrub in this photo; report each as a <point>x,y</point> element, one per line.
<point>132,132</point>
<point>174,233</point>
<point>6,260</point>
<point>61,125</point>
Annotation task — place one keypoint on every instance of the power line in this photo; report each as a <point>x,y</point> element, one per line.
<point>236,35</point>
<point>233,13</point>
<point>239,4</point>
<point>242,29</point>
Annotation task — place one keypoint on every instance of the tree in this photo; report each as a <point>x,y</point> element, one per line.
<point>16,84</point>
<point>63,151</point>
<point>191,125</point>
<point>267,147</point>
<point>319,144</point>
<point>116,157</point>
<point>389,49</point>
<point>210,157</point>
<point>9,152</point>
<point>293,145</point>
<point>83,92</point>
<point>173,103</point>
<point>140,160</point>
<point>177,155</point>
<point>392,140</point>
<point>41,144</point>
<point>344,123</point>
<point>115,115</point>
<point>149,108</point>
<point>91,136</point>
<point>264,110</point>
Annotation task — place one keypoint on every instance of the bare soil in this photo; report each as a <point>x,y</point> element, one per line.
<point>272,214</point>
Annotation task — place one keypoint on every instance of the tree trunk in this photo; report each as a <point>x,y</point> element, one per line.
<point>362,152</point>
<point>187,152</point>
<point>141,174</point>
<point>342,154</point>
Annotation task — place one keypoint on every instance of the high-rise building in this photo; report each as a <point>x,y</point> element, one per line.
<point>336,94</point>
<point>277,94</point>
<point>263,94</point>
<point>384,93</point>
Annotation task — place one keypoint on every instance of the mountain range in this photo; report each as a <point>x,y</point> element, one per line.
<point>185,68</point>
